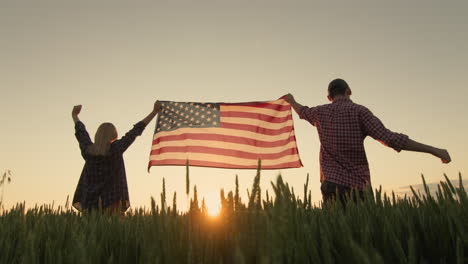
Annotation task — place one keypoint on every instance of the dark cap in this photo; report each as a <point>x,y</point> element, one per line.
<point>337,86</point>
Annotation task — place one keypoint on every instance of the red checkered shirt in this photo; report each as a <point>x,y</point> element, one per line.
<point>342,127</point>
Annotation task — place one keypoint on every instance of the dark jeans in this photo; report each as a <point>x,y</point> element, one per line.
<point>330,190</point>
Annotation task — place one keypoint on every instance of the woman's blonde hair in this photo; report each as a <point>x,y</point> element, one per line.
<point>105,135</point>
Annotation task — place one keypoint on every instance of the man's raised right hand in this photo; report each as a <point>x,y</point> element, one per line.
<point>443,155</point>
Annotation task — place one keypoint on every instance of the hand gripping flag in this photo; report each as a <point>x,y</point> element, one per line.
<point>225,135</point>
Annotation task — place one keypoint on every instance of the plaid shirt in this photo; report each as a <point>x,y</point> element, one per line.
<point>342,127</point>
<point>103,177</point>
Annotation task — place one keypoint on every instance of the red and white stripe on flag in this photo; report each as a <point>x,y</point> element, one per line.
<point>225,135</point>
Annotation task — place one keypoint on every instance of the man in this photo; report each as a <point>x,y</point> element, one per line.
<point>342,126</point>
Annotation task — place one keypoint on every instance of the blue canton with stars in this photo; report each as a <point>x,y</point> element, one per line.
<point>176,115</point>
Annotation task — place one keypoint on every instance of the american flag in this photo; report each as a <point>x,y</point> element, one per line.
<point>225,135</point>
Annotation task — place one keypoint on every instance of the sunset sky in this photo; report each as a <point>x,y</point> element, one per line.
<point>405,60</point>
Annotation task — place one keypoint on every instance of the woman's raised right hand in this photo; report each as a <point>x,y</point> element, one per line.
<point>157,107</point>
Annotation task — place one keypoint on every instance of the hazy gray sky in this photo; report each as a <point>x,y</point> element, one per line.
<point>405,60</point>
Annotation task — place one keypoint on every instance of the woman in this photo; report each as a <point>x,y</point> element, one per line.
<point>103,181</point>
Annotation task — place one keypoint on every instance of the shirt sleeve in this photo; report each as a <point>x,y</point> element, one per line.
<point>82,136</point>
<point>309,113</point>
<point>122,144</point>
<point>375,128</point>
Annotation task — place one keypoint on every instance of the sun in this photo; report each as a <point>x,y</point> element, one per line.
<point>213,209</point>
<point>214,212</point>
<point>213,206</point>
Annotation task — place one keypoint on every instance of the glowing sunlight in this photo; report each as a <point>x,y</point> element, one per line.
<point>214,211</point>
<point>213,204</point>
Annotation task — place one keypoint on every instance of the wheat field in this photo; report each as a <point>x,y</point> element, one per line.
<point>281,227</point>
